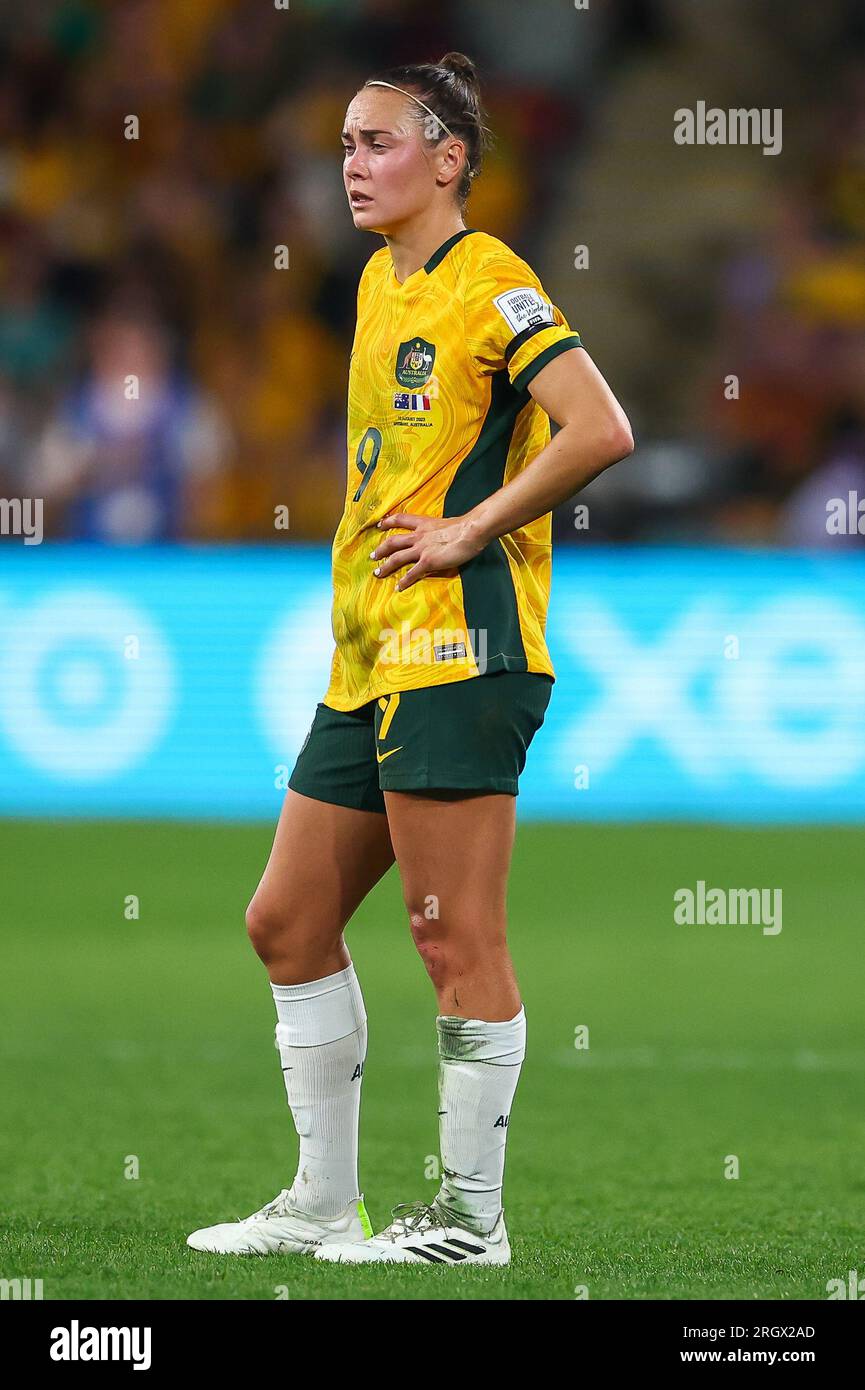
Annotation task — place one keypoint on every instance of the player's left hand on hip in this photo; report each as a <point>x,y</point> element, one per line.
<point>433,545</point>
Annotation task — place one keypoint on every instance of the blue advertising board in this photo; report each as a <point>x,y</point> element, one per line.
<point>691,684</point>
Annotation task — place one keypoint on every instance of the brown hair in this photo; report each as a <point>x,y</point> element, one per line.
<point>450,88</point>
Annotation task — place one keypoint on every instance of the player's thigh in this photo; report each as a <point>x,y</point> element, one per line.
<point>332,843</point>
<point>453,850</point>
<point>325,859</point>
<point>449,768</point>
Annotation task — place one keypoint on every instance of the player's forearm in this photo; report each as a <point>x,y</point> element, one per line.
<point>566,465</point>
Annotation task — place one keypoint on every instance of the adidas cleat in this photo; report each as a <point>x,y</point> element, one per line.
<point>420,1234</point>
<point>278,1229</point>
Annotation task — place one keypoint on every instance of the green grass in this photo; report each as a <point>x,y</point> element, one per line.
<point>154,1038</point>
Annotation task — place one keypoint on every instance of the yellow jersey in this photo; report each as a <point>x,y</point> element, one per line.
<point>440,417</point>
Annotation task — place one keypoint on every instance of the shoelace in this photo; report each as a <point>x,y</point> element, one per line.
<point>410,1218</point>
<point>274,1208</point>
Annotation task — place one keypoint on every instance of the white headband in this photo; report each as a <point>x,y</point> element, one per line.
<point>378,83</point>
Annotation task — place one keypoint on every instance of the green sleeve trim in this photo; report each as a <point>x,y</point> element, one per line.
<point>522,379</point>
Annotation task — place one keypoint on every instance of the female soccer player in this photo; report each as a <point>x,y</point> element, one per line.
<point>440,677</point>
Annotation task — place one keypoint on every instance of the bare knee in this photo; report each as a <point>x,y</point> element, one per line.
<point>430,939</point>
<point>461,942</point>
<point>284,933</point>
<point>266,928</point>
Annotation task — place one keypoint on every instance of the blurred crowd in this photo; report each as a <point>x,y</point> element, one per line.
<point>166,372</point>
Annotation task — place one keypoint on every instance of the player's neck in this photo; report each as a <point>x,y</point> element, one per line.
<point>412,246</point>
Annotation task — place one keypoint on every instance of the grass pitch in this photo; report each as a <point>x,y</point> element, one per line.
<point>146,1047</point>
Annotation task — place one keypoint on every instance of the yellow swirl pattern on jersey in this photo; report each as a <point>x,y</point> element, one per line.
<point>439,417</point>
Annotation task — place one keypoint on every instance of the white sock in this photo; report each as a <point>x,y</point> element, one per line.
<point>479,1066</point>
<point>321,1037</point>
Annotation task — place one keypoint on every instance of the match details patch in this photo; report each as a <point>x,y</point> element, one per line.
<point>524,308</point>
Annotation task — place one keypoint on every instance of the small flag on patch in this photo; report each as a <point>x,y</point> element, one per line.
<point>409,400</point>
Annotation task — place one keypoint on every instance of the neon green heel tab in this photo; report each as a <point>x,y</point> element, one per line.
<point>365,1222</point>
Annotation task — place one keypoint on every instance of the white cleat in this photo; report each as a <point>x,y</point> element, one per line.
<point>420,1234</point>
<point>279,1229</point>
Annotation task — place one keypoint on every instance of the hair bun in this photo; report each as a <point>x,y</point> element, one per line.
<point>459,63</point>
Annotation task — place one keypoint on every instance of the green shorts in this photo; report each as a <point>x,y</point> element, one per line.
<point>470,735</point>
